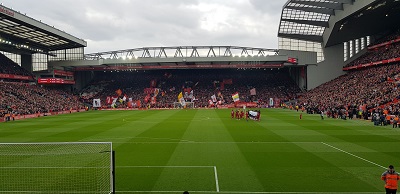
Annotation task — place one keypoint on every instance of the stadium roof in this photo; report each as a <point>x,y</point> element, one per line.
<point>182,57</point>
<point>307,19</point>
<point>336,21</point>
<point>22,34</point>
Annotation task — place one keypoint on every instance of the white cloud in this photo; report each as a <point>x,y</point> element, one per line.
<point>122,24</point>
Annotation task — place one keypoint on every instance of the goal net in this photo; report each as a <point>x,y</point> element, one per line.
<point>56,168</point>
<point>187,105</point>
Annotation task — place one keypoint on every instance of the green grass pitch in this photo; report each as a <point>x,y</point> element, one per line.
<point>205,151</point>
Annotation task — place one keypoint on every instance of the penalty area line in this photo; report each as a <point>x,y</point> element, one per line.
<point>214,169</point>
<point>331,146</point>
<point>216,178</point>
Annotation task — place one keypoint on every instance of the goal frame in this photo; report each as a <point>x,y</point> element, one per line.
<point>111,151</point>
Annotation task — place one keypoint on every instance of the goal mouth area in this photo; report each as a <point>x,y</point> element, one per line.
<point>57,167</point>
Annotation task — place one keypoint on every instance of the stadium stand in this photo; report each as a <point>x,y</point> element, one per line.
<point>359,92</point>
<point>389,50</point>
<point>22,97</point>
<point>387,38</point>
<point>204,83</point>
<point>25,99</point>
<point>7,66</point>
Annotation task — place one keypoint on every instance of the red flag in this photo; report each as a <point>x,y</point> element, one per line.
<point>292,60</point>
<point>119,92</point>
<point>146,99</point>
<point>227,81</point>
<point>109,100</point>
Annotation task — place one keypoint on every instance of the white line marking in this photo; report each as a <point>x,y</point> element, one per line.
<point>205,142</point>
<point>88,167</point>
<point>165,166</point>
<point>50,192</point>
<point>353,155</point>
<point>50,167</point>
<point>250,192</point>
<point>216,178</point>
<point>214,167</point>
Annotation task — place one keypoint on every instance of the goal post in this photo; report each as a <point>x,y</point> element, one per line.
<point>68,167</point>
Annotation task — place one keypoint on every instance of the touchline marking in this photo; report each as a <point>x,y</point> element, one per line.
<point>353,155</point>
<point>51,167</point>
<point>212,142</point>
<point>51,192</point>
<point>250,192</point>
<point>216,178</point>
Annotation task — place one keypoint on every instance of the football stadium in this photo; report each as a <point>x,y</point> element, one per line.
<point>318,115</point>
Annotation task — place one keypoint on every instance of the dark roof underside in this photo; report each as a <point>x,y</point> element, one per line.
<point>307,19</point>
<point>18,36</point>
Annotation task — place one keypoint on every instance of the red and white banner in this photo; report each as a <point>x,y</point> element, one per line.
<point>372,64</point>
<point>151,91</point>
<point>20,117</point>
<point>108,100</point>
<point>64,73</point>
<point>247,104</point>
<point>54,81</point>
<point>7,11</point>
<point>385,43</point>
<point>292,60</point>
<point>253,92</point>
<point>19,77</point>
<point>199,66</point>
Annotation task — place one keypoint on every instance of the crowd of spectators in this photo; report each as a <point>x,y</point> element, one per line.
<point>388,51</point>
<point>22,97</point>
<point>204,83</point>
<point>371,92</point>
<point>388,38</point>
<point>25,98</point>
<point>378,54</point>
<point>7,66</point>
<point>357,93</point>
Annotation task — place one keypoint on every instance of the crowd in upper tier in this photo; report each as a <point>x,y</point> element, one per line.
<point>388,51</point>
<point>7,66</point>
<point>204,83</point>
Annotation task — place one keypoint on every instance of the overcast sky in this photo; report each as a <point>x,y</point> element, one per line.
<point>109,25</point>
